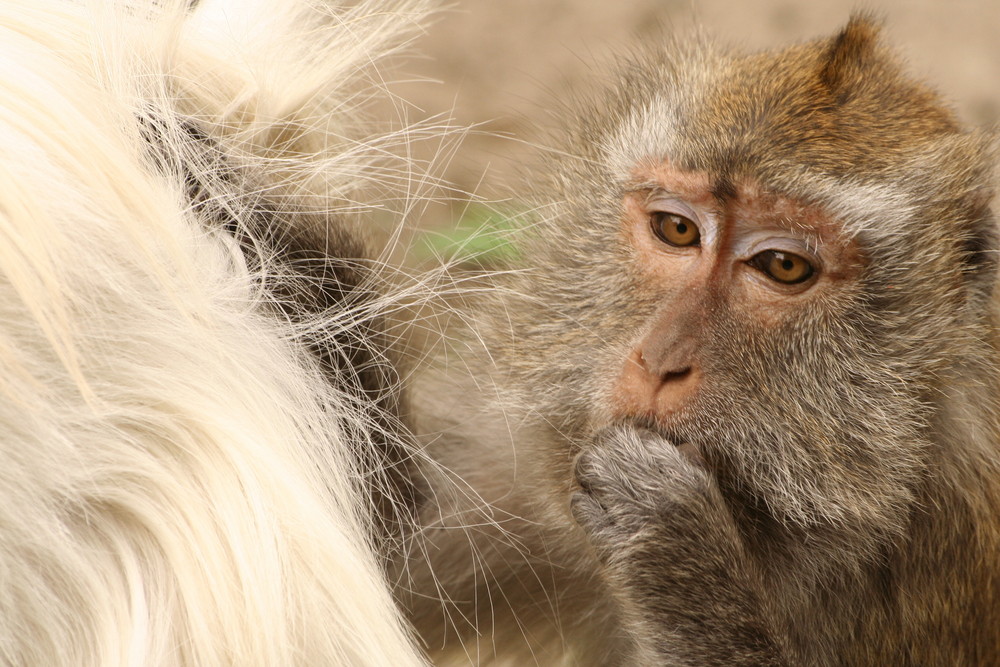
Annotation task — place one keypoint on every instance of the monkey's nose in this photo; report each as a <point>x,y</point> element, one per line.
<point>669,382</point>
<point>654,390</point>
<point>673,377</point>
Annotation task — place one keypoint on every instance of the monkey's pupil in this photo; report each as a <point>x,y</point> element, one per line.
<point>783,267</point>
<point>674,229</point>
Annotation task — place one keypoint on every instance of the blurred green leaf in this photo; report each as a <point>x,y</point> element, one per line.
<point>483,236</point>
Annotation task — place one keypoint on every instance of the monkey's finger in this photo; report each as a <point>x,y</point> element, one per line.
<point>594,470</point>
<point>588,511</point>
<point>692,454</point>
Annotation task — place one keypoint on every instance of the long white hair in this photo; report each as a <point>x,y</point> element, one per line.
<point>176,486</point>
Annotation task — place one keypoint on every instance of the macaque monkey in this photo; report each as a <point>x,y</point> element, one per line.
<point>742,407</point>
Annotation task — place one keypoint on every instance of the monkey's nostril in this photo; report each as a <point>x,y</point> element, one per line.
<point>676,376</point>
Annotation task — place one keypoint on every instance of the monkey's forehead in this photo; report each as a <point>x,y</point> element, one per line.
<point>837,108</point>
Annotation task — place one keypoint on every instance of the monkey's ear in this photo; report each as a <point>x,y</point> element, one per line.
<point>850,54</point>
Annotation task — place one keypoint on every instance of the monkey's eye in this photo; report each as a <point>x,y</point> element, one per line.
<point>783,267</point>
<point>674,229</point>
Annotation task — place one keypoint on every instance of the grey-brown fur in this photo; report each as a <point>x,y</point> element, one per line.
<point>842,507</point>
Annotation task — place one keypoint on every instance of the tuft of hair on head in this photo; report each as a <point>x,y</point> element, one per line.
<point>851,52</point>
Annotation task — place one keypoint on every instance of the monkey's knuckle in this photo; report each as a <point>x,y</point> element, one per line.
<point>586,510</point>
<point>586,469</point>
<point>603,474</point>
<point>693,481</point>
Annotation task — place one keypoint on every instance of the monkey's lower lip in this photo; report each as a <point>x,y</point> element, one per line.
<point>672,432</point>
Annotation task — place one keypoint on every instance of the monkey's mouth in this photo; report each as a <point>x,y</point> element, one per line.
<point>672,428</point>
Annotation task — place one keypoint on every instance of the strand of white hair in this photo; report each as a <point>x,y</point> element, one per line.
<point>175,488</point>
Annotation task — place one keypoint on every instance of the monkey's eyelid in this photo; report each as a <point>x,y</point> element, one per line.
<point>763,240</point>
<point>654,191</point>
<point>672,205</point>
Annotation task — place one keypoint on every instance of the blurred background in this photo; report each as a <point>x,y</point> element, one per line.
<point>497,64</point>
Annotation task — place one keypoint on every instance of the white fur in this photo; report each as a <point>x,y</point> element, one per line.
<point>174,485</point>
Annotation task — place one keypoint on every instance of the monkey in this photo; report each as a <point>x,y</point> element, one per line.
<point>204,444</point>
<point>199,435</point>
<point>740,407</point>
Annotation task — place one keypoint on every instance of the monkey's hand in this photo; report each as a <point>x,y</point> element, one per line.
<point>671,552</point>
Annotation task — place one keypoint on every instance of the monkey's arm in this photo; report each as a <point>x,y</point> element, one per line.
<point>671,549</point>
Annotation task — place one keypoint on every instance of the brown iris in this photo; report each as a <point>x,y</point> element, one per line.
<point>784,267</point>
<point>674,229</point>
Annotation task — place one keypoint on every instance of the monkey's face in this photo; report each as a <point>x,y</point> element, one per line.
<point>711,255</point>
<point>778,258</point>
<point>748,342</point>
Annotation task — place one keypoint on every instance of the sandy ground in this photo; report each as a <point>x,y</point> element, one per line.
<point>499,64</point>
